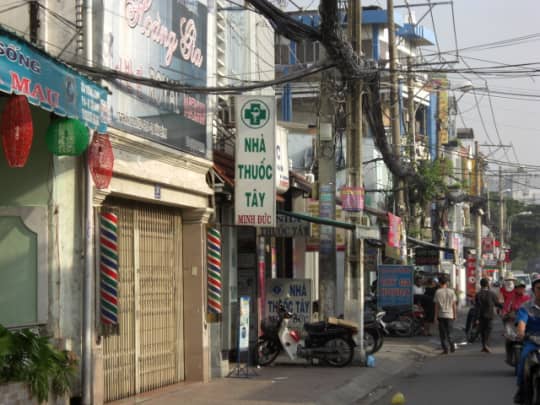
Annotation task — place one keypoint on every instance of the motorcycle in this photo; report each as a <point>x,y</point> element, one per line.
<point>532,374</point>
<point>374,331</point>
<point>327,342</point>
<point>472,330</point>
<point>513,346</point>
<point>404,320</point>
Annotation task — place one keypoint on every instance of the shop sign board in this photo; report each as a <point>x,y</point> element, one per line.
<point>287,227</point>
<point>282,160</point>
<point>49,84</point>
<point>166,41</point>
<point>394,285</point>
<point>255,188</point>
<point>294,295</point>
<point>425,256</point>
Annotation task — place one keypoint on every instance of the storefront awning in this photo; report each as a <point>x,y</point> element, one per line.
<point>49,83</point>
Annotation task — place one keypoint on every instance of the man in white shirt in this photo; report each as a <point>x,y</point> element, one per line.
<point>445,314</point>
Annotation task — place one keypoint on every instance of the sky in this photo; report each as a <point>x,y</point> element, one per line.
<point>499,118</point>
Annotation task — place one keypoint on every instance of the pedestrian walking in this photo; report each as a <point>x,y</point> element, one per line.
<point>485,303</point>
<point>429,306</point>
<point>445,314</point>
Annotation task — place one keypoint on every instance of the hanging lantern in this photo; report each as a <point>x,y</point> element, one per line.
<point>101,160</point>
<point>17,131</point>
<point>67,136</point>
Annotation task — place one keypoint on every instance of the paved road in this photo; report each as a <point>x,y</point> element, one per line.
<point>466,377</point>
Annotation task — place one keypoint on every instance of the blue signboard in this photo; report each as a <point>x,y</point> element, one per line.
<point>164,40</point>
<point>50,84</point>
<point>394,285</point>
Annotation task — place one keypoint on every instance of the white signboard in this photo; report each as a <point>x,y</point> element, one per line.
<point>243,331</point>
<point>255,171</point>
<point>294,294</point>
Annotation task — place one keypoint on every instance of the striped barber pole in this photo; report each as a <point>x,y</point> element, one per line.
<point>108,241</point>
<point>214,271</point>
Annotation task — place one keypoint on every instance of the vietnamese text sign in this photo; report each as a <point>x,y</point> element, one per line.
<point>287,227</point>
<point>243,331</point>
<point>50,84</point>
<point>294,294</point>
<point>352,198</point>
<point>255,188</point>
<point>426,256</point>
<point>164,40</point>
<point>394,285</point>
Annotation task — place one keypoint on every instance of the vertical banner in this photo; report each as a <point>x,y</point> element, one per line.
<point>108,266</point>
<point>214,271</point>
<point>243,331</point>
<point>471,277</point>
<point>394,223</point>
<point>261,281</point>
<point>255,166</point>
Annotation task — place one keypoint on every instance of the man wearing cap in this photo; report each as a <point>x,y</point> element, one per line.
<point>485,303</point>
<point>528,322</point>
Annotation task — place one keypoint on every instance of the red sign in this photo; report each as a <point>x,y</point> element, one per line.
<point>394,223</point>
<point>487,245</point>
<point>471,277</point>
<point>101,160</point>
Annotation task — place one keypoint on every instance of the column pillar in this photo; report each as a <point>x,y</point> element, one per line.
<point>196,332</point>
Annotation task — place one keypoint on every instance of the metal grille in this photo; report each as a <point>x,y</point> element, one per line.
<point>148,352</point>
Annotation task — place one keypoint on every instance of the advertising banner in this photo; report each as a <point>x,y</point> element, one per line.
<point>471,277</point>
<point>394,232</point>
<point>394,285</point>
<point>313,241</point>
<point>352,198</point>
<point>282,160</point>
<point>294,294</point>
<point>162,40</point>
<point>426,256</point>
<point>255,188</point>
<point>49,84</point>
<point>243,331</point>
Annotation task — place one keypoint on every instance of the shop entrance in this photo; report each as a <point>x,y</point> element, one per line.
<point>148,352</point>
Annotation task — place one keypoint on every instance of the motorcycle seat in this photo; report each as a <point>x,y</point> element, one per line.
<point>315,327</point>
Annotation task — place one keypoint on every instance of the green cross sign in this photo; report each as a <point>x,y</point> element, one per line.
<point>255,114</point>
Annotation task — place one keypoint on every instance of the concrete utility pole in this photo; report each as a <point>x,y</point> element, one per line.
<point>501,219</point>
<point>478,226</point>
<point>394,106</point>
<point>411,139</point>
<point>327,199</point>
<point>354,168</point>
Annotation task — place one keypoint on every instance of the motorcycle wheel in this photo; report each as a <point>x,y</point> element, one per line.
<point>267,351</point>
<point>344,355</point>
<point>371,341</point>
<point>406,329</point>
<point>535,390</point>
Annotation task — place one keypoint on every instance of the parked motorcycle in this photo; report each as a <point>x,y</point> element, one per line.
<point>404,320</point>
<point>374,331</point>
<point>472,330</point>
<point>324,341</point>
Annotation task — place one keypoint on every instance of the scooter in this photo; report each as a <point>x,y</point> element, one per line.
<point>513,346</point>
<point>404,320</point>
<point>374,331</point>
<point>324,341</point>
<point>532,374</point>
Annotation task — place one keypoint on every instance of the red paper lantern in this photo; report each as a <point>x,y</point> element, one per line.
<point>101,160</point>
<point>17,131</point>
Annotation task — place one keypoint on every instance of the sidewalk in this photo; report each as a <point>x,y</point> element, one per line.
<point>288,383</point>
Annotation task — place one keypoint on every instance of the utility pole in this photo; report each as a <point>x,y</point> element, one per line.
<point>394,106</point>
<point>501,220</point>
<point>354,168</point>
<point>478,226</point>
<point>327,199</point>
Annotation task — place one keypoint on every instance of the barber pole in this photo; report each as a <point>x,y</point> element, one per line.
<point>214,271</point>
<point>108,242</point>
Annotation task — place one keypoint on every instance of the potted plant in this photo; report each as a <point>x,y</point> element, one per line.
<point>30,358</point>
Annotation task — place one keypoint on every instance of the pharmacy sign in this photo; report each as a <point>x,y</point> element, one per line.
<point>255,171</point>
